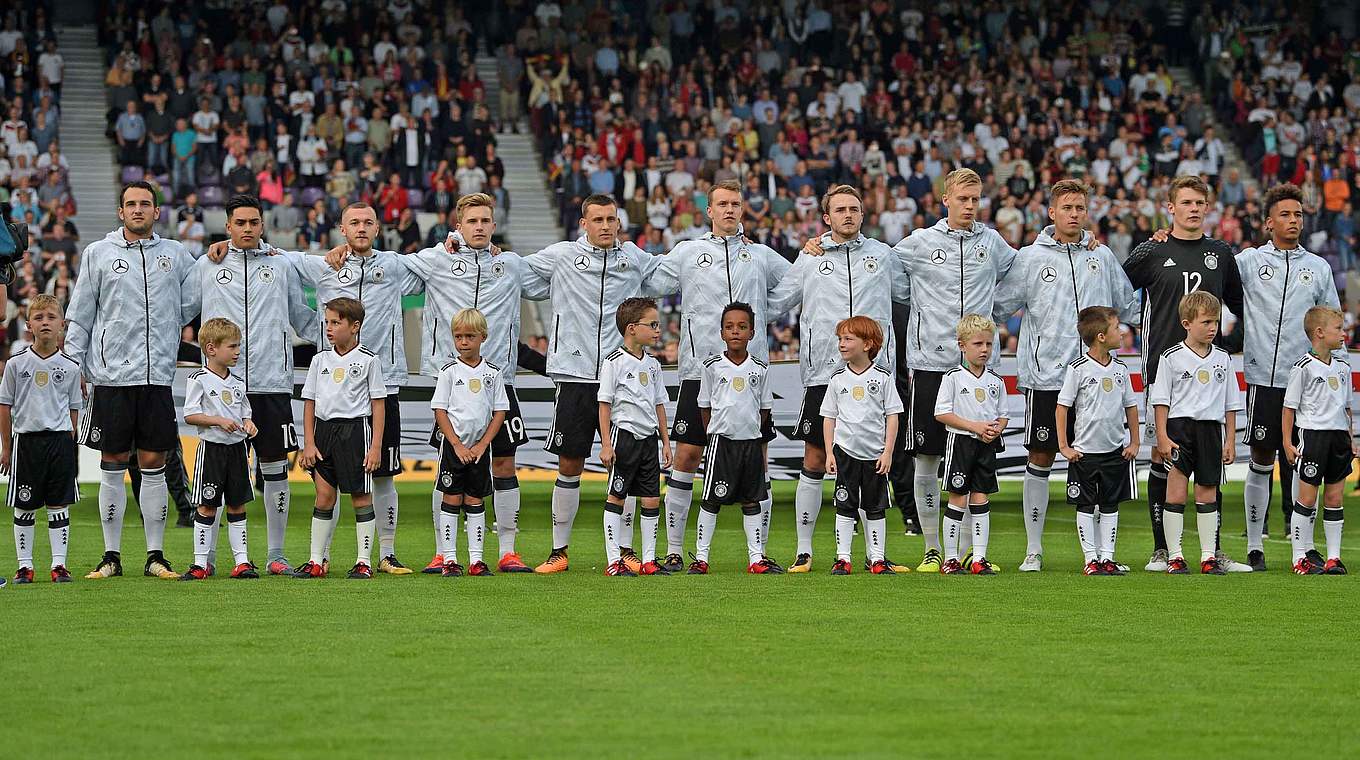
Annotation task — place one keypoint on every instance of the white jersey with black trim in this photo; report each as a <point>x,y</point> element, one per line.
<point>1098,395</point>
<point>860,402</point>
<point>471,395</point>
<point>633,388</point>
<point>41,391</point>
<point>735,395</point>
<point>1319,392</point>
<point>981,398</point>
<point>208,393</point>
<point>1196,387</point>
<point>344,385</point>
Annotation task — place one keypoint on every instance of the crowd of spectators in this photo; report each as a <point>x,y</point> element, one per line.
<point>34,174</point>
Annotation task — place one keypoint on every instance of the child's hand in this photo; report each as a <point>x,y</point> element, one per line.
<point>1070,454</point>
<point>228,425</point>
<point>830,462</point>
<point>477,451</point>
<point>1229,452</point>
<point>1165,447</point>
<point>666,457</point>
<point>4,460</point>
<point>606,454</point>
<point>884,463</point>
<point>1130,452</point>
<point>373,457</point>
<point>251,430</point>
<point>463,453</point>
<point>1291,452</point>
<point>310,456</point>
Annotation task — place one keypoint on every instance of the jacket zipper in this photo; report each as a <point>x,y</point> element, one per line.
<point>146,291</point>
<point>849,281</point>
<point>245,332</point>
<point>287,357</point>
<point>103,353</point>
<point>1284,293</point>
<point>393,359</point>
<point>1038,340</point>
<point>434,336</point>
<point>557,322</point>
<point>727,256</point>
<point>599,322</point>
<point>689,327</point>
<point>1076,297</point>
<point>961,298</point>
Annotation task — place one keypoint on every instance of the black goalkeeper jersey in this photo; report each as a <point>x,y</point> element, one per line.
<point>1166,272</point>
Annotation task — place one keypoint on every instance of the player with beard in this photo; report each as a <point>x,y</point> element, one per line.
<point>1166,272</point>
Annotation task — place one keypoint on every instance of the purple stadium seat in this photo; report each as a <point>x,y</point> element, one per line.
<point>211,196</point>
<point>309,196</point>
<point>168,191</point>
<point>132,173</point>
<point>415,198</point>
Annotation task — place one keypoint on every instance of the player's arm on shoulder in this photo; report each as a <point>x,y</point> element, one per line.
<point>664,277</point>
<point>302,317</point>
<point>1138,266</point>
<point>1003,254</point>
<point>1011,292</point>
<point>789,292</point>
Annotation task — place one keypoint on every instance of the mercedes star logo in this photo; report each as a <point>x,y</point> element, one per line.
<point>345,276</point>
<point>459,268</point>
<point>120,266</point>
<point>582,262</point>
<point>705,260</point>
<point>1048,274</point>
<point>224,276</point>
<point>937,256</point>
<point>825,267</point>
<point>1266,272</point>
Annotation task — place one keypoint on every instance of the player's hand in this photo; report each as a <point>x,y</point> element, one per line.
<point>477,451</point>
<point>830,463</point>
<point>667,457</point>
<point>1165,447</point>
<point>229,426</point>
<point>1130,452</point>
<point>494,249</point>
<point>335,257</point>
<point>217,251</point>
<point>84,389</point>
<point>1229,452</point>
<point>1291,452</point>
<point>884,463</point>
<point>1161,235</point>
<point>310,456</point>
<point>4,461</point>
<point>372,458</point>
<point>463,453</point>
<point>813,247</point>
<point>251,430</point>
<point>607,454</point>
<point>1070,454</point>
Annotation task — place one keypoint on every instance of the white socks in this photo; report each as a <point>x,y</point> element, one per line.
<point>236,533</point>
<point>1332,520</point>
<point>755,535</point>
<point>1173,527</point>
<point>953,528</point>
<point>1035,496</point>
<point>651,525</point>
<point>476,532</point>
<point>385,507</point>
<point>982,528</point>
<point>845,536</point>
<point>926,486</point>
<point>448,531</point>
<point>24,530</point>
<point>277,499</point>
<point>437,513</point>
<point>766,507</point>
<point>1108,527</point>
<point>875,538</point>
<point>1256,499</point>
<point>629,512</point>
<point>365,530</point>
<point>1206,519</point>
<point>613,526</point>
<point>59,533</point>
<point>203,537</point>
<point>323,527</point>
<point>1301,529</point>
<point>566,500</point>
<point>1086,532</point>
<point>112,503</point>
<point>679,495</point>
<point>708,522</point>
<point>154,500</point>
<point>807,502</point>
<point>507,513</point>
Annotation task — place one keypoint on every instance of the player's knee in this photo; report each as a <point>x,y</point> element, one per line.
<point>1159,469</point>
<point>1262,456</point>
<point>1174,507</point>
<point>24,517</point>
<point>274,471</point>
<point>119,458</point>
<point>814,458</point>
<point>812,474</point>
<point>150,460</point>
<point>1041,458</point>
<point>503,468</point>
<point>451,505</point>
<point>363,514</point>
<point>237,512</point>
<point>653,511</point>
<point>570,466</point>
<point>952,512</point>
<point>687,457</point>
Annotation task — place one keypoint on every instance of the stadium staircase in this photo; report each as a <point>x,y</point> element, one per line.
<point>533,219</point>
<point>1232,155</point>
<point>94,170</point>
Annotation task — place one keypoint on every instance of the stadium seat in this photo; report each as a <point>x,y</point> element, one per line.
<point>132,173</point>
<point>309,196</point>
<point>212,196</point>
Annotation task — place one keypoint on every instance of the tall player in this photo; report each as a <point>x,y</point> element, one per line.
<point>1281,281</point>
<point>718,269</point>
<point>589,278</point>
<point>134,293</point>
<point>1166,272</point>
<point>1053,279</point>
<point>953,268</point>
<point>839,275</point>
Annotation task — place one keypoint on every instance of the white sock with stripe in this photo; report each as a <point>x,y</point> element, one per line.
<point>679,496</point>
<point>566,500</point>
<point>112,503</point>
<point>1035,499</point>
<point>386,506</point>
<point>506,505</point>
<point>24,531</point>
<point>926,485</point>
<point>155,503</point>
<point>277,499</point>
<point>1256,500</point>
<point>808,504</point>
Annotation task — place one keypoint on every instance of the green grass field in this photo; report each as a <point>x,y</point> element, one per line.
<point>579,665</point>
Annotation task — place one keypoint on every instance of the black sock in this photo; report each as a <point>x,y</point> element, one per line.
<point>1156,500</point>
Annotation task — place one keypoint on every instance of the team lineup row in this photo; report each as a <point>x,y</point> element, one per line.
<point>136,289</point>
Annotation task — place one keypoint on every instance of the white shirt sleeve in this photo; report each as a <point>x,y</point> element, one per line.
<point>377,386</point>
<point>1160,392</point>
<point>659,384</point>
<point>247,411</point>
<point>502,401</point>
<point>892,402</point>
<point>766,394</point>
<point>944,400</point>
<point>1067,396</point>
<point>704,399</point>
<point>1293,392</point>
<point>1237,401</point>
<point>77,399</point>
<point>7,386</point>
<point>1129,399</point>
<point>442,392</point>
<point>829,408</point>
<point>309,387</point>
<point>193,397</point>
<point>608,378</point>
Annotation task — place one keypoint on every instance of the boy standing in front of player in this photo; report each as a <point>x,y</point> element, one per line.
<point>632,416</point>
<point>861,402</point>
<point>1097,427</point>
<point>971,404</point>
<point>342,429</point>
<point>216,403</point>
<point>1281,281</point>
<point>1318,402</point>
<point>40,400</point>
<point>1195,401</point>
<point>470,404</point>
<point>735,402</point>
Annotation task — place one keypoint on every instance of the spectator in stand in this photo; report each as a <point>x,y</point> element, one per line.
<point>184,149</point>
<point>130,131</point>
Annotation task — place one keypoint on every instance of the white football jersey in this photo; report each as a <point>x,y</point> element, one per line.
<point>633,388</point>
<point>735,394</point>
<point>860,402</point>
<point>206,393</point>
<point>41,391</point>
<point>344,385</point>
<point>972,397</point>
<point>1098,395</point>
<point>1319,392</point>
<point>471,395</point>
<point>1196,387</point>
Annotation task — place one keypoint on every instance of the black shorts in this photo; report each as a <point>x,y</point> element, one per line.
<point>1200,449</point>
<point>970,464</point>
<point>734,471</point>
<point>1324,456</point>
<point>1041,421</point>
<point>222,475</point>
<point>576,420</point>
<point>343,444</point>
<point>858,486</point>
<point>637,466</point>
<point>810,418</point>
<point>1101,479</point>
<point>1265,407</point>
<point>42,470</point>
<point>123,418</point>
<point>389,463</point>
<point>688,426</point>
<point>925,434</point>
<point>512,434</point>
<point>456,478</point>
<point>272,414</point>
